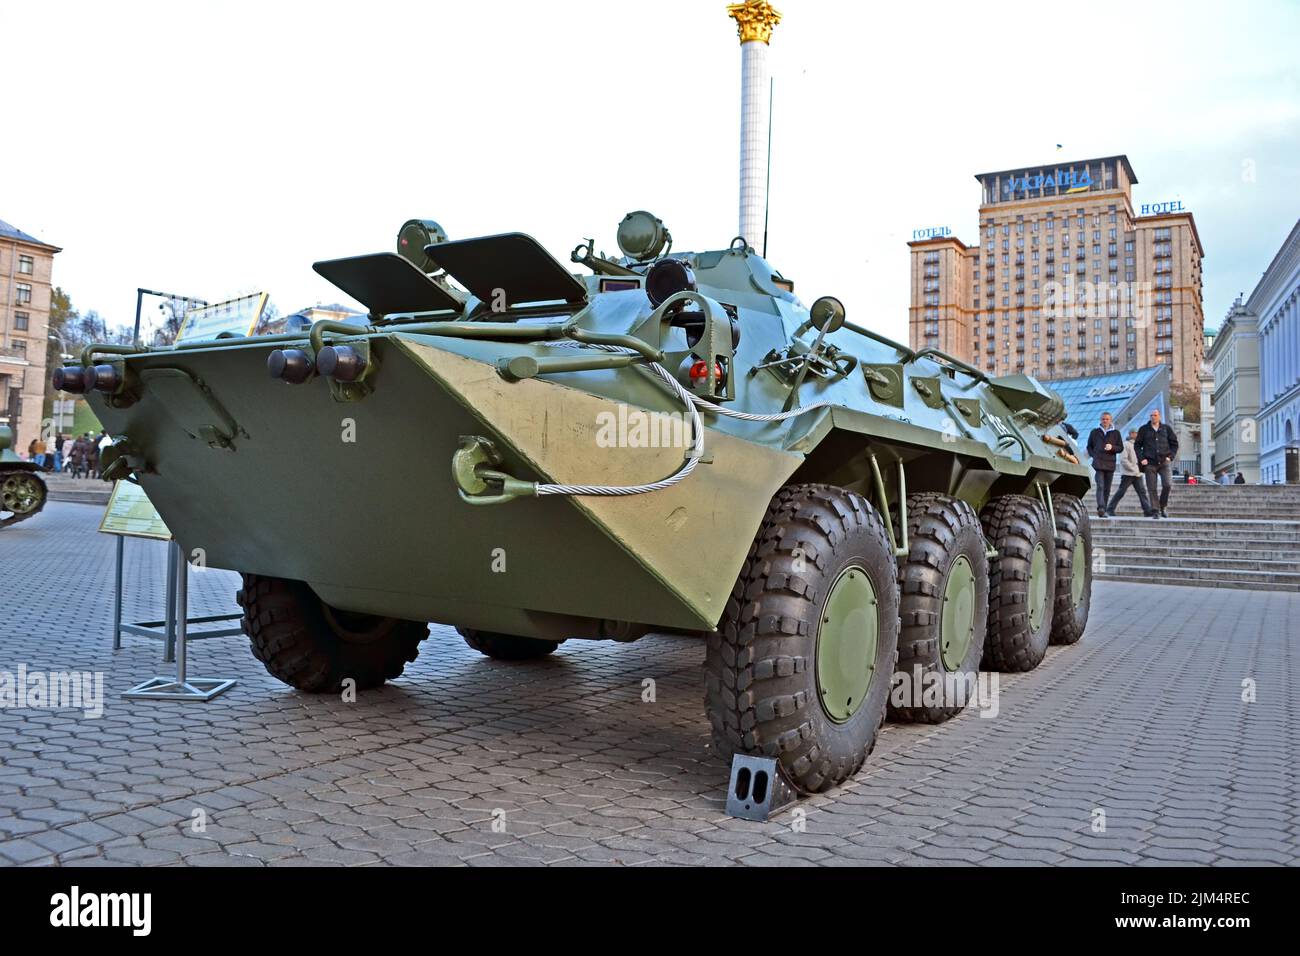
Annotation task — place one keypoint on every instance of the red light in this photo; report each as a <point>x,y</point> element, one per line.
<point>701,370</point>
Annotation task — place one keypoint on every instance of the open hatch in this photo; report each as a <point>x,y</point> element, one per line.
<point>513,263</point>
<point>386,283</point>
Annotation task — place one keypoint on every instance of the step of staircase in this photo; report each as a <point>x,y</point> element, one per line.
<point>1230,552</point>
<point>80,490</point>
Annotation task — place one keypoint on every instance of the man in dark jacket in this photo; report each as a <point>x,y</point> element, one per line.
<point>1157,447</point>
<point>1104,443</point>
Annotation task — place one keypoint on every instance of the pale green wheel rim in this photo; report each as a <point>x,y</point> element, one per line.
<point>847,637</point>
<point>1037,587</point>
<point>957,622</point>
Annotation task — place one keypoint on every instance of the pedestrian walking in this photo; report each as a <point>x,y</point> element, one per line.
<point>1240,479</point>
<point>1104,444</point>
<point>92,456</point>
<point>59,441</point>
<point>1157,447</point>
<point>1131,477</point>
<point>77,456</point>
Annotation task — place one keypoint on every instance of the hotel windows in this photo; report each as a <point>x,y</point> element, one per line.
<point>19,346</point>
<point>1128,246</point>
<point>24,293</point>
<point>21,321</point>
<point>25,264</point>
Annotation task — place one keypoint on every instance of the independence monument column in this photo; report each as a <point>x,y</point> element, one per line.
<point>754,22</point>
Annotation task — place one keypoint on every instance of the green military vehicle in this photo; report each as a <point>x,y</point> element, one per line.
<point>22,490</point>
<point>673,444</point>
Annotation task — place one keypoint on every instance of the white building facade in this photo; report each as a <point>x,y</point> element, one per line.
<point>1235,359</point>
<point>1276,301</point>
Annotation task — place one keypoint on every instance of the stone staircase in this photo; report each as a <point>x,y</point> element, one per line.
<point>1226,536</point>
<point>89,491</point>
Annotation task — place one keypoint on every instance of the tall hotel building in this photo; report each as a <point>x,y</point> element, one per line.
<point>1067,280</point>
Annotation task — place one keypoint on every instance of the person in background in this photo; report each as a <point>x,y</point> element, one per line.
<point>1240,479</point>
<point>36,451</point>
<point>1157,447</point>
<point>78,456</point>
<point>1104,444</point>
<point>92,456</point>
<point>1131,477</point>
<point>104,442</point>
<point>1225,478</point>
<point>59,441</point>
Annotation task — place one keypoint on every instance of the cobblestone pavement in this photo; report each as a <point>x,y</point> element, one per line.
<point>1143,721</point>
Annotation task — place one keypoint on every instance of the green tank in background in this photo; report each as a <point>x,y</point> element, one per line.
<point>673,443</point>
<point>22,490</point>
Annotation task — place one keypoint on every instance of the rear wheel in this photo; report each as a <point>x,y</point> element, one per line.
<point>944,584</point>
<point>506,647</point>
<point>1022,583</point>
<point>1073,569</point>
<point>800,665</point>
<point>314,647</point>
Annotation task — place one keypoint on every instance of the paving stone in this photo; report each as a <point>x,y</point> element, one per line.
<point>588,775</point>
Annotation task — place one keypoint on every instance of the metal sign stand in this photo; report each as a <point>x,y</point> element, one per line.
<point>164,630</point>
<point>181,687</point>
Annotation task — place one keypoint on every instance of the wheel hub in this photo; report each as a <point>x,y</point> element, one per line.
<point>1037,587</point>
<point>19,493</point>
<point>847,637</point>
<point>957,622</point>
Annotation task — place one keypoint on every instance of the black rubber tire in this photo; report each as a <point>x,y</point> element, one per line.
<point>1072,524</point>
<point>309,645</point>
<point>1014,526</point>
<point>939,530</point>
<point>506,647</point>
<point>761,693</point>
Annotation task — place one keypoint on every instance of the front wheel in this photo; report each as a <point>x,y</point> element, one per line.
<point>307,644</point>
<point>800,666</point>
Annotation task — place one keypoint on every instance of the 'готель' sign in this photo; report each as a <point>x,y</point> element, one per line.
<point>935,232</point>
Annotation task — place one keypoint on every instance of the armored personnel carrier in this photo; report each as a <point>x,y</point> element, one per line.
<point>22,490</point>
<point>672,443</point>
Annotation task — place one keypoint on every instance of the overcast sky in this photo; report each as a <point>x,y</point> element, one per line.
<point>219,148</point>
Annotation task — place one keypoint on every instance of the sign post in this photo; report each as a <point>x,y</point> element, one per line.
<point>130,513</point>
